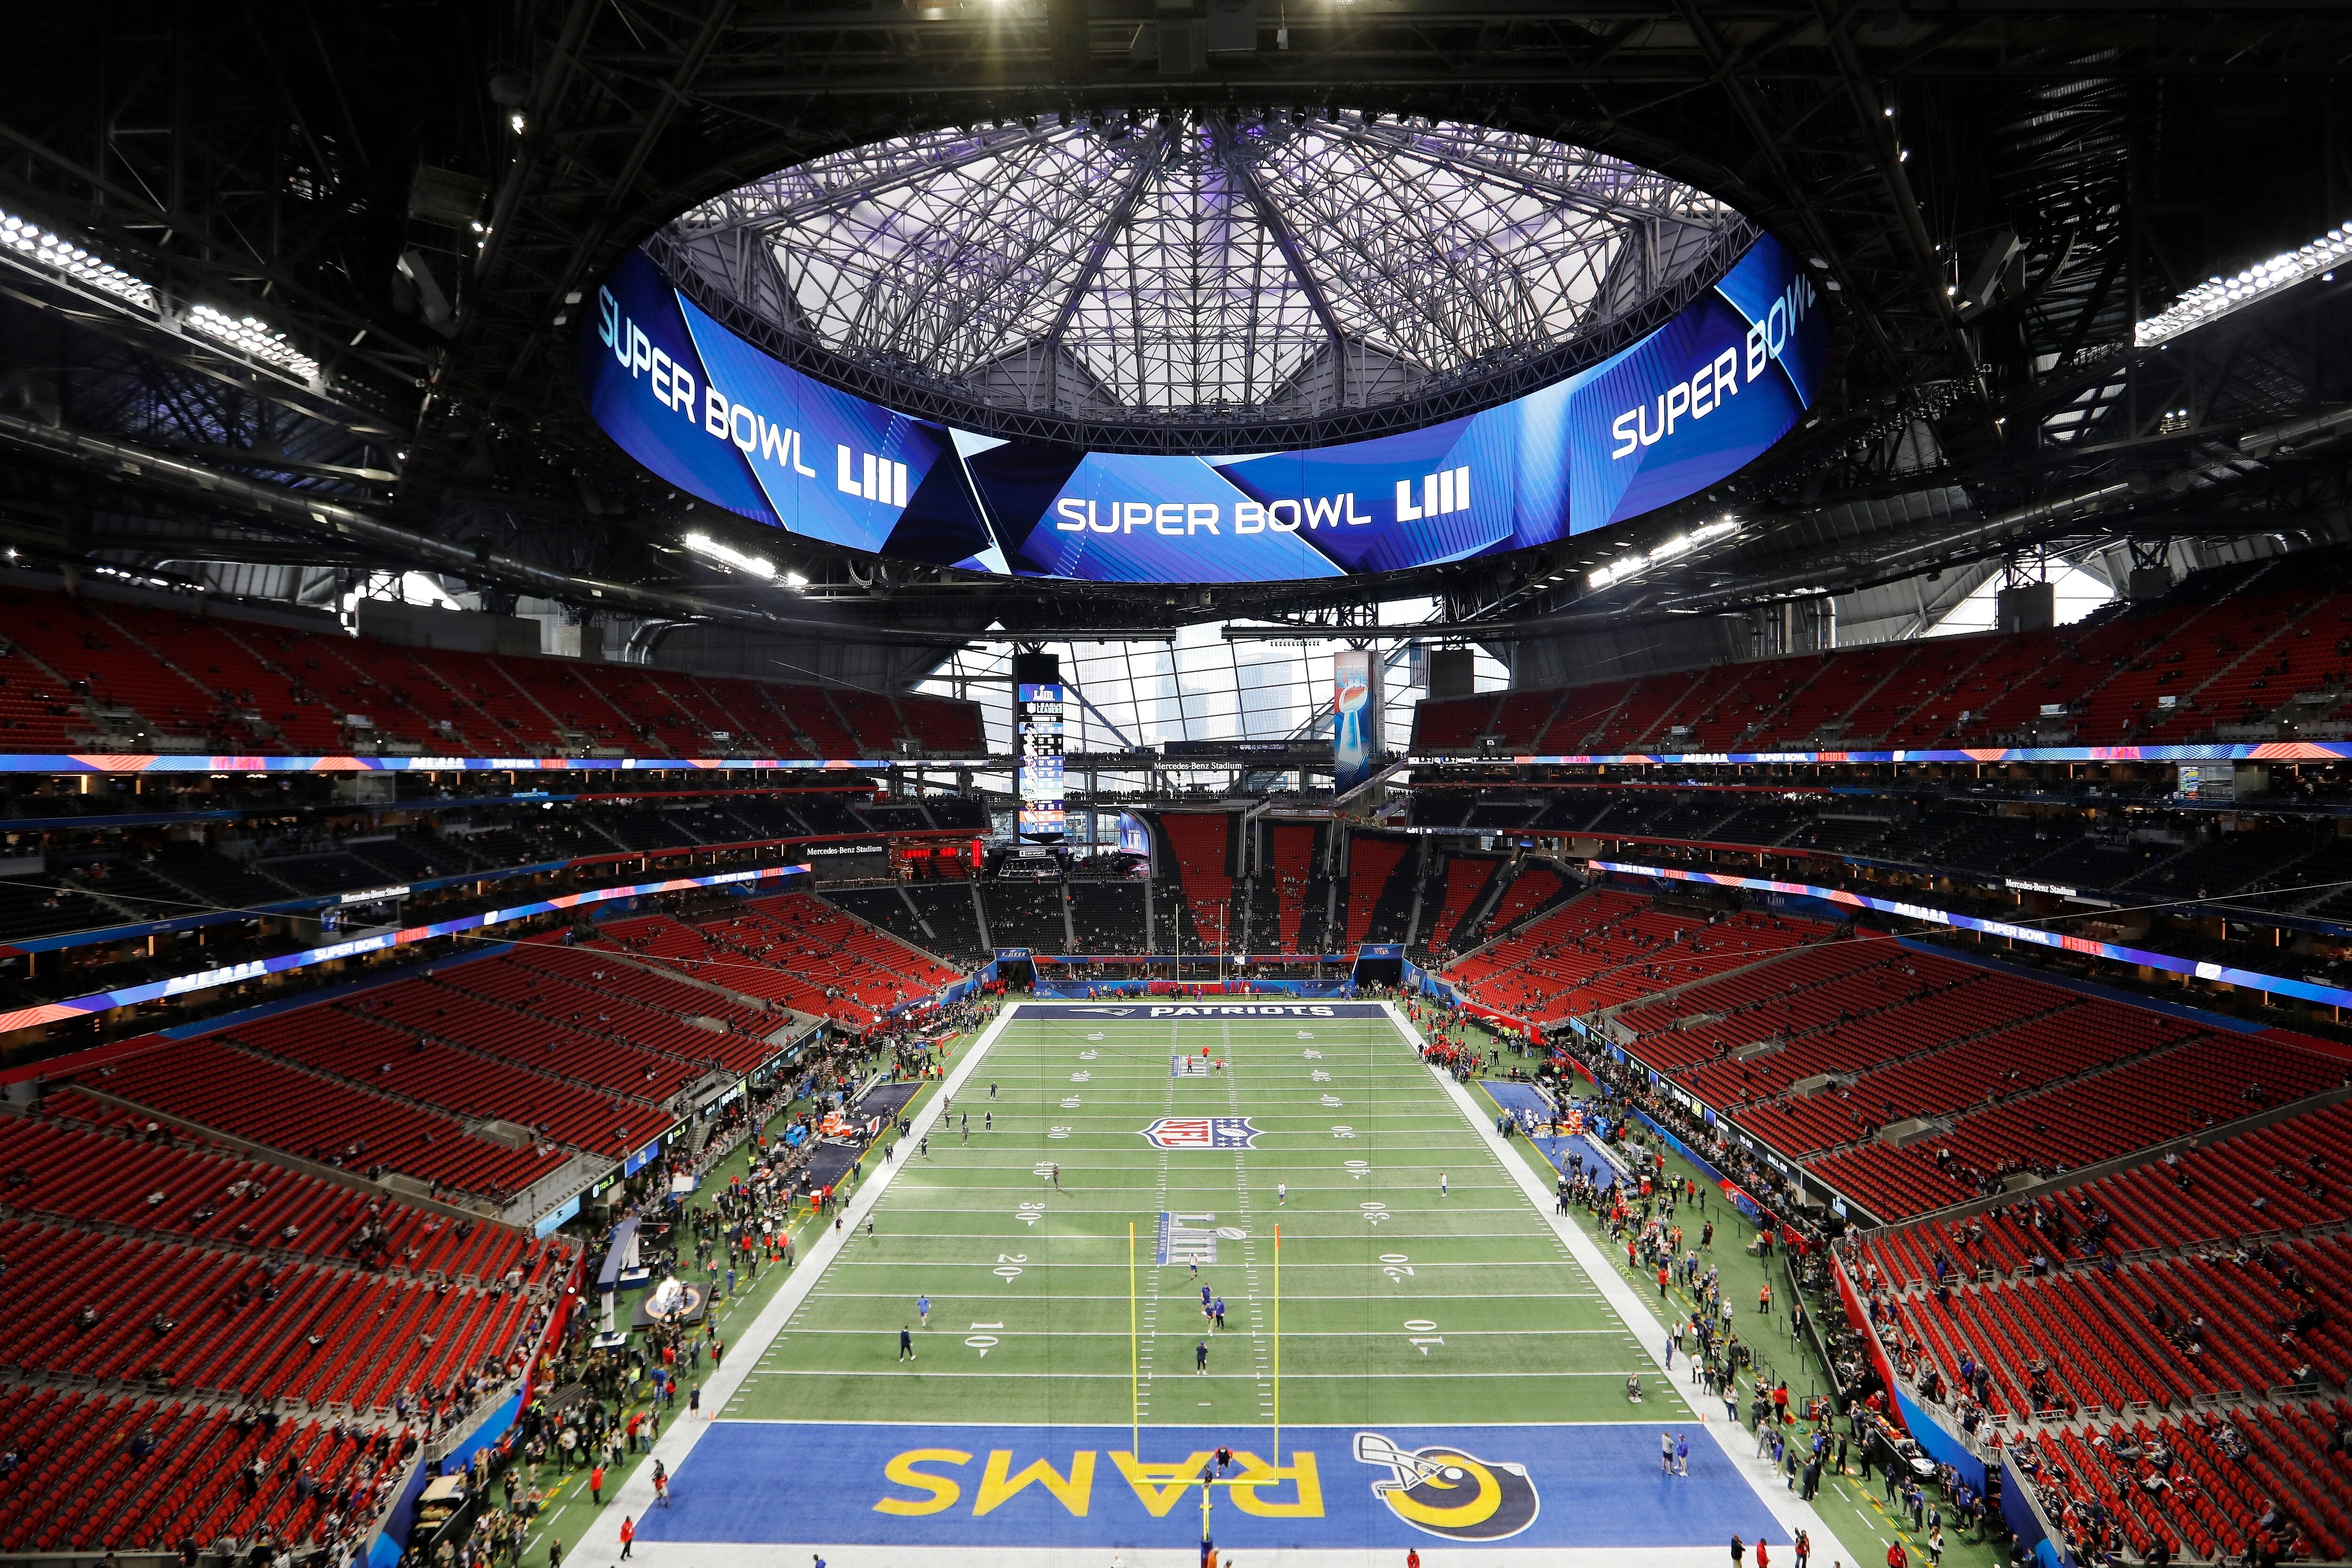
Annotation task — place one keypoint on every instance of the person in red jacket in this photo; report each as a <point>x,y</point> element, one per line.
<point>596,1484</point>
<point>1896,1557</point>
<point>628,1535</point>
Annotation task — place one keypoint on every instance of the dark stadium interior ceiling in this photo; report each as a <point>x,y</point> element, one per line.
<point>414,198</point>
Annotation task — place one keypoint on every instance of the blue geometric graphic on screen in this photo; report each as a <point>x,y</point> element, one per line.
<point>1324,481</point>
<point>1172,547</point>
<point>808,440</point>
<point>1762,279</point>
<point>667,438</point>
<point>1556,462</point>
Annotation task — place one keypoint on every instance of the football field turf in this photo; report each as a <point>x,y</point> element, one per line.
<point>1450,1374</point>
<point>1397,1304</point>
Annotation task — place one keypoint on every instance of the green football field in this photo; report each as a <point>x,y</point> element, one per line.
<point>1397,1303</point>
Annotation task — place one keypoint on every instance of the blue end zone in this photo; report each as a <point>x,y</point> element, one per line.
<point>1149,1010</point>
<point>1563,1152</point>
<point>1522,1100</point>
<point>1586,1485</point>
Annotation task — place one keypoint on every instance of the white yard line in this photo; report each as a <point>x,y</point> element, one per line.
<point>602,1540</point>
<point>1513,1373</point>
<point>602,1537</point>
<point>739,1555</point>
<point>1190,1296</point>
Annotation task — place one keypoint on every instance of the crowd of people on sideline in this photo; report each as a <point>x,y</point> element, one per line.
<point>597,1405</point>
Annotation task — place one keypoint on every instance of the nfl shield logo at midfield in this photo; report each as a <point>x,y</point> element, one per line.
<point>1201,1133</point>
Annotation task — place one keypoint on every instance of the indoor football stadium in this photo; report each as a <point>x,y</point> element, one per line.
<point>1176,784</point>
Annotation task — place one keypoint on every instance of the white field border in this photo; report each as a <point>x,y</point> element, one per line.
<point>600,1543</point>
<point>1771,1490</point>
<point>602,1540</point>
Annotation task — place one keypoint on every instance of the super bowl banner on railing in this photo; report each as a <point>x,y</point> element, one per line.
<point>1090,990</point>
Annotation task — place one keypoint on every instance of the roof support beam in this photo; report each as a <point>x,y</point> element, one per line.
<point>1147,164</point>
<point>1878,130</point>
<point>1792,188</point>
<point>1301,266</point>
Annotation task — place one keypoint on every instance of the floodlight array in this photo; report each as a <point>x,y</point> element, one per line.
<point>253,337</point>
<point>1638,561</point>
<point>2217,296</point>
<point>759,566</point>
<point>33,243</point>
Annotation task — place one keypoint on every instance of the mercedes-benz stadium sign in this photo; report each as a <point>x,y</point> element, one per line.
<point>1681,410</point>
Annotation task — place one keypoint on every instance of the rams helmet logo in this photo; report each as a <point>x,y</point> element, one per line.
<point>1450,1493</point>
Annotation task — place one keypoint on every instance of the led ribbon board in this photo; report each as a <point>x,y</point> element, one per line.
<point>176,762</point>
<point>209,980</point>
<point>2250,980</point>
<point>214,762</point>
<point>1689,404</point>
<point>2215,751</point>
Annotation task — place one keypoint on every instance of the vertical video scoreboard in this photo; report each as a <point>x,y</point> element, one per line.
<point>1038,730</point>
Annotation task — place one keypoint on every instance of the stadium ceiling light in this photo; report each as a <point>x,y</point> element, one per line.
<point>1636,562</point>
<point>30,242</point>
<point>2217,296</point>
<point>759,566</point>
<point>33,243</point>
<point>254,337</point>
